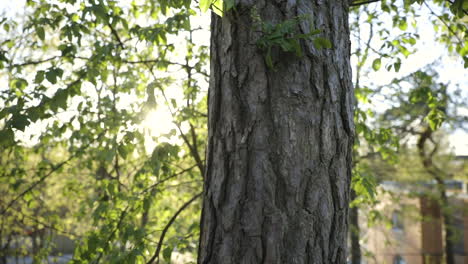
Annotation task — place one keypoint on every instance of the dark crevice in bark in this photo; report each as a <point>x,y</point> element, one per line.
<point>227,169</point>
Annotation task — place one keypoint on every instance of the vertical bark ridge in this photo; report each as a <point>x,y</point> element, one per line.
<point>279,151</point>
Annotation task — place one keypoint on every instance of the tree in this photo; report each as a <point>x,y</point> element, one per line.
<point>419,112</point>
<point>373,141</point>
<point>280,136</point>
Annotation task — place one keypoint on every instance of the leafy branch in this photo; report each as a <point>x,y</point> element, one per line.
<point>283,35</point>
<point>193,151</point>
<point>166,228</point>
<point>42,179</point>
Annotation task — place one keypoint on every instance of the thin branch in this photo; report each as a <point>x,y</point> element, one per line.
<point>30,188</point>
<point>464,11</point>
<point>167,62</point>
<point>370,47</point>
<point>116,35</point>
<point>167,178</point>
<point>445,23</point>
<point>70,233</point>
<point>31,62</point>
<point>154,61</point>
<point>193,151</point>
<point>34,185</point>
<point>166,228</point>
<point>359,3</point>
<point>362,60</point>
<point>111,236</point>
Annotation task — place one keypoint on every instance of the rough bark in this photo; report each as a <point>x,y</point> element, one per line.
<point>280,140</point>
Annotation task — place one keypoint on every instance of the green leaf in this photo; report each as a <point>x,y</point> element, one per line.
<point>58,72</point>
<point>322,43</point>
<point>435,118</point>
<point>167,252</point>
<point>34,114</point>
<point>174,103</point>
<point>18,84</point>
<point>403,25</point>
<point>51,76</point>
<point>59,100</point>
<point>376,64</point>
<point>109,155</point>
<point>229,4</point>
<point>205,5</point>
<point>93,242</point>
<point>39,77</point>
<point>218,7</point>
<point>122,149</point>
<point>40,33</point>
<point>7,137</point>
<point>397,66</point>
<point>297,47</point>
<point>20,122</point>
<point>28,196</point>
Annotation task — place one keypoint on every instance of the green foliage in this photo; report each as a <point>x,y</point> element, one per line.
<point>204,5</point>
<point>96,71</point>
<point>379,134</point>
<point>427,99</point>
<point>218,6</point>
<point>284,36</point>
<point>376,64</point>
<point>364,184</point>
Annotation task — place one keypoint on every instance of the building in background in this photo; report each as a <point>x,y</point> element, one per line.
<point>412,231</point>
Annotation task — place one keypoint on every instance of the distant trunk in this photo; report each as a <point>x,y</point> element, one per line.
<point>354,232</point>
<point>437,174</point>
<point>280,140</point>
<point>448,223</point>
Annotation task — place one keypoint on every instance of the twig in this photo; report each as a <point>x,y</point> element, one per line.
<point>358,3</point>
<point>116,35</point>
<point>193,151</point>
<point>47,225</point>
<point>33,62</point>
<point>445,23</point>
<point>167,178</point>
<point>111,236</point>
<point>171,221</point>
<point>464,11</point>
<point>34,185</point>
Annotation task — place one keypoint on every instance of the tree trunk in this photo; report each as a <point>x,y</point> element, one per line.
<point>280,140</point>
<point>448,222</point>
<point>354,232</point>
<point>438,176</point>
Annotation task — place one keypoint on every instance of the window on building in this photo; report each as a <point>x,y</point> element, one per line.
<point>398,260</point>
<point>397,220</point>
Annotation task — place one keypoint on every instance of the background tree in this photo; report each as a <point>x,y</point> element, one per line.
<point>375,47</point>
<point>419,112</point>
<point>85,75</point>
